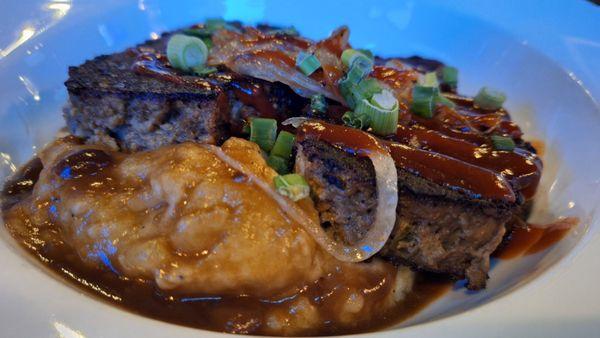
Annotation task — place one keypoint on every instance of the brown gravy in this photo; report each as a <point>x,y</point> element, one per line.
<point>235,314</point>
<point>531,239</point>
<point>226,314</point>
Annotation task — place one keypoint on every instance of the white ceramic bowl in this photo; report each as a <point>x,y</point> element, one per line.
<point>41,39</point>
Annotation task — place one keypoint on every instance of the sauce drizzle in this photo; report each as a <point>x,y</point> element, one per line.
<point>437,167</point>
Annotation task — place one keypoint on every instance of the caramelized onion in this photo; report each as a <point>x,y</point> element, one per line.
<point>274,67</point>
<point>272,58</point>
<point>385,214</point>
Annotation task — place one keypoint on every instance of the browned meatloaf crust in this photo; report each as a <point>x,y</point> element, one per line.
<point>110,103</point>
<point>437,229</point>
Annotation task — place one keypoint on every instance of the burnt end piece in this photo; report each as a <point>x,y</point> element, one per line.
<point>437,229</point>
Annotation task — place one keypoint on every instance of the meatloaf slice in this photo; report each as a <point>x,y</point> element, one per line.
<point>111,103</point>
<point>437,229</point>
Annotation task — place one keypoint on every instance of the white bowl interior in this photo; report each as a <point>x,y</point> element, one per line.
<point>544,99</point>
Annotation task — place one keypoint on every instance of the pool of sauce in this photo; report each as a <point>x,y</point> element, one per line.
<point>90,169</point>
<point>533,238</point>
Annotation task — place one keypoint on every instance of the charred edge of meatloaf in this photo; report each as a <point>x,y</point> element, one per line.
<point>437,229</point>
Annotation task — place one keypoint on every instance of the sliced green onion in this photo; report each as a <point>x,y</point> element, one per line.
<point>441,99</point>
<point>450,76</point>
<point>351,57</point>
<point>293,186</point>
<point>263,132</point>
<point>186,52</point>
<point>208,42</point>
<point>382,111</point>
<point>358,71</point>
<point>429,80</point>
<point>489,99</point>
<point>203,70</point>
<point>281,165</point>
<point>384,100</point>
<point>423,100</point>
<point>349,91</point>
<point>368,87</point>
<point>367,53</point>
<point>354,120</point>
<point>355,92</point>
<point>503,142</point>
<point>283,145</point>
<point>307,63</point>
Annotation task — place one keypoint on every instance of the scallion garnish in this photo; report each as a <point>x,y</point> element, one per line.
<point>359,70</point>
<point>441,99</point>
<point>489,99</point>
<point>368,87</point>
<point>349,91</point>
<point>354,120</point>
<point>263,132</point>
<point>367,53</point>
<point>208,42</point>
<point>281,165</point>
<point>283,145</point>
<point>293,186</point>
<point>355,92</point>
<point>318,103</point>
<point>503,143</point>
<point>450,76</point>
<point>429,80</point>
<point>350,57</point>
<point>424,100</point>
<point>307,63</point>
<point>186,52</point>
<point>382,110</point>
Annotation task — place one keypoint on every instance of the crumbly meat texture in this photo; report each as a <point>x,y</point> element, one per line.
<point>436,229</point>
<point>110,103</point>
<point>343,188</point>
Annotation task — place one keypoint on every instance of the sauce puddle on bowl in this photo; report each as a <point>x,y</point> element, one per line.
<point>226,313</point>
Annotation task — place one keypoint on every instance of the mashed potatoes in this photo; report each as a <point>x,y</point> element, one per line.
<point>184,219</point>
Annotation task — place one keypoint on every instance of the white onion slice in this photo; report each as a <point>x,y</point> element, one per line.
<point>385,213</point>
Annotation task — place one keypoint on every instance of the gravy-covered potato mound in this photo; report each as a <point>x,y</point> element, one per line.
<point>184,219</point>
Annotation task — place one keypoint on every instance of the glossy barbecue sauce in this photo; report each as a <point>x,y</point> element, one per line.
<point>91,170</point>
<point>463,133</point>
<point>437,167</point>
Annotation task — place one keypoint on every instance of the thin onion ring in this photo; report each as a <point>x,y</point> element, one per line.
<point>385,214</point>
